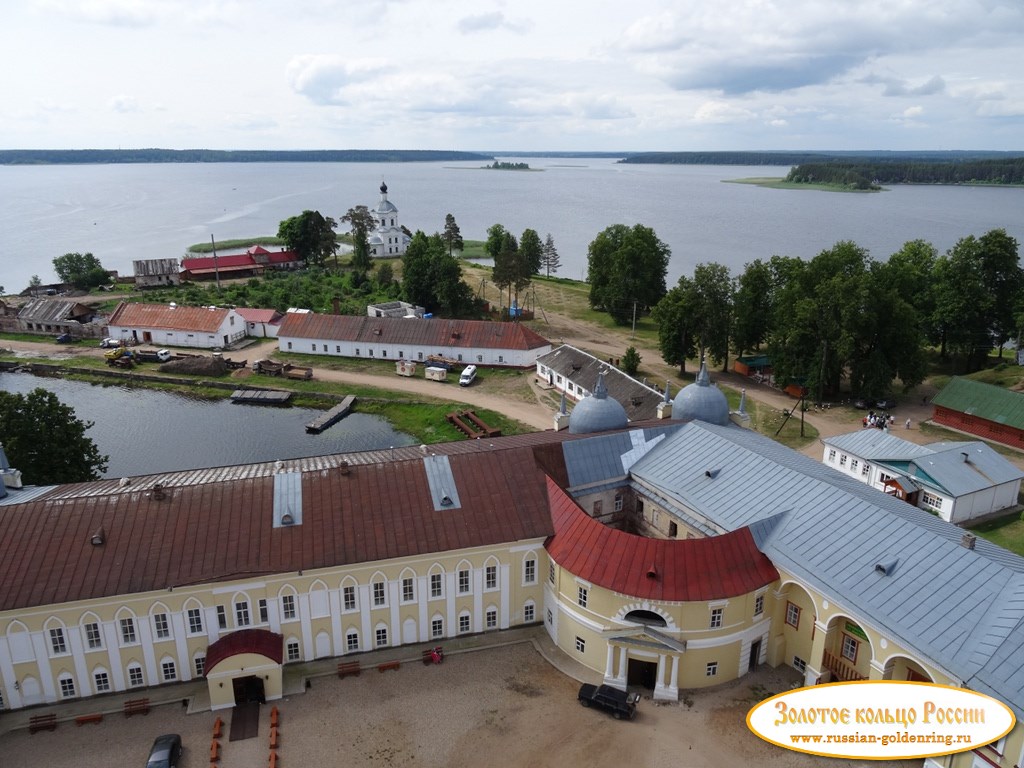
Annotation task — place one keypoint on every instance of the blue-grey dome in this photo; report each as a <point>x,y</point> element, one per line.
<point>701,400</point>
<point>597,412</point>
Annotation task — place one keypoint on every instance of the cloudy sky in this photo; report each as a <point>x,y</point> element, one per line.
<point>519,75</point>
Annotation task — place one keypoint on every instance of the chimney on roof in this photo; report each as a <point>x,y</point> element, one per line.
<point>967,459</point>
<point>652,572</point>
<point>968,540</point>
<point>99,538</point>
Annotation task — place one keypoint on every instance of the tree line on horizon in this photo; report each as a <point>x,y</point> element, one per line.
<point>870,173</point>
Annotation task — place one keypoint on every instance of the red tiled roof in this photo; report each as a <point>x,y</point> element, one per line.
<point>238,261</point>
<point>685,569</point>
<point>260,641</point>
<point>473,334</point>
<point>218,531</point>
<point>257,249</point>
<point>201,319</point>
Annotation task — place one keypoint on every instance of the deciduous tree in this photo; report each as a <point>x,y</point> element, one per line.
<point>626,269</point>
<point>433,279</point>
<point>310,235</point>
<point>44,439</point>
<point>531,252</point>
<point>82,270</point>
<point>631,361</point>
<point>361,221</point>
<point>676,317</point>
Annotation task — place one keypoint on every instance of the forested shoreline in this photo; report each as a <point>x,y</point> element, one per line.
<point>111,156</point>
<point>871,174</point>
<point>782,157</point>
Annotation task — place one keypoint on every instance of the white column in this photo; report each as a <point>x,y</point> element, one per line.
<point>111,639</point>
<point>84,684</point>
<point>145,634</point>
<point>274,614</point>
<point>477,580</point>
<point>334,605</point>
<point>623,666</point>
<point>422,596</point>
<point>212,627</point>
<point>504,609</point>
<point>366,631</point>
<point>39,645</point>
<point>675,674</point>
<point>394,596</point>
<point>11,695</point>
<point>609,672</point>
<point>660,691</point>
<point>185,670</point>
<point>451,621</point>
<point>308,647</point>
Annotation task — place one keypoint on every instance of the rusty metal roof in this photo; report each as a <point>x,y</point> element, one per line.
<point>164,316</point>
<point>471,334</point>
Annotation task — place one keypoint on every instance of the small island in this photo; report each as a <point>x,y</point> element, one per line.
<point>501,165</point>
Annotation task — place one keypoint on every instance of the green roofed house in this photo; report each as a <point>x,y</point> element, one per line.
<point>990,412</point>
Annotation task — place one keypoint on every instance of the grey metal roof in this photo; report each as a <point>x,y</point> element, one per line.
<point>828,529</point>
<point>701,400</point>
<point>875,444</point>
<point>597,412</point>
<point>287,498</point>
<point>153,267</point>
<point>937,465</point>
<point>581,368</point>
<point>443,490</point>
<point>47,310</point>
<point>601,458</point>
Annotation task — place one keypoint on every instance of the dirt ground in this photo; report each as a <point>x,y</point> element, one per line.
<point>497,707</point>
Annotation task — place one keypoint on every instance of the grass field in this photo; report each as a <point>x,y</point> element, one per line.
<point>772,182</point>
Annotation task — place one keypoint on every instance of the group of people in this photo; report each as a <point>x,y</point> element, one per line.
<point>881,421</point>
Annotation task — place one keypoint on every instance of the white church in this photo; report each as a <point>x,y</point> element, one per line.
<point>387,240</point>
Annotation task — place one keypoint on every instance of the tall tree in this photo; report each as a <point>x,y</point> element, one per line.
<point>963,304</point>
<point>752,307</point>
<point>432,278</point>
<point>508,273</point>
<point>626,268</point>
<point>549,256</point>
<point>910,272</point>
<point>495,240</point>
<point>676,317</point>
<point>311,236</point>
<point>1000,266</point>
<point>45,440</point>
<point>531,252</point>
<point>713,288</point>
<point>452,235</point>
<point>362,222</point>
<point>82,270</point>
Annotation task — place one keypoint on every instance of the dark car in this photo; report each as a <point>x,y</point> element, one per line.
<point>166,751</point>
<point>621,704</point>
<point>65,338</point>
<point>886,404</point>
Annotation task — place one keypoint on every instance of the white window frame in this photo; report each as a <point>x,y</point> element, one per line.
<point>581,644</point>
<point>195,621</point>
<point>136,676</point>
<point>582,595</point>
<point>168,671</point>
<point>242,616</point>
<point>58,642</point>
<point>464,581</point>
<point>67,687</point>
<point>490,577</point>
<point>711,669</point>
<point>293,650</point>
<point>352,641</point>
<point>380,637</point>
<point>530,570</point>
<point>288,607</point>
<point>161,626</point>
<point>717,615</point>
<point>529,613</point>
<point>436,586</point>
<point>380,594</point>
<point>101,681</point>
<point>465,623</point>
<point>93,635</point>
<point>349,591</point>
<point>408,590</point>
<point>129,635</point>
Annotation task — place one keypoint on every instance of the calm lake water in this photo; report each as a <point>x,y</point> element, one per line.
<point>125,212</point>
<point>146,431</point>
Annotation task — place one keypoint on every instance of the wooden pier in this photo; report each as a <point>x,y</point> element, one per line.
<point>260,397</point>
<point>336,414</point>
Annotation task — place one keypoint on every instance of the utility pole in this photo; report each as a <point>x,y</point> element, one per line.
<point>216,271</point>
<point>633,334</point>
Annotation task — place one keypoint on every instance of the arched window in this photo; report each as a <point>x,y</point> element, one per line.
<point>647,618</point>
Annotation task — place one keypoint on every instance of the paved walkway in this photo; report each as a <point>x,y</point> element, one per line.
<point>194,696</point>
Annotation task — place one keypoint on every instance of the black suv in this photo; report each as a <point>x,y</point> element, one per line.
<point>621,704</point>
<point>166,751</point>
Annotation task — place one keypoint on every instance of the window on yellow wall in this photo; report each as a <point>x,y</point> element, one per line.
<point>793,615</point>
<point>582,594</point>
<point>759,605</point>
<point>716,617</point>
<point>581,644</point>
<point>850,647</point>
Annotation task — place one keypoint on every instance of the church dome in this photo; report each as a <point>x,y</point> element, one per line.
<point>597,412</point>
<point>701,400</point>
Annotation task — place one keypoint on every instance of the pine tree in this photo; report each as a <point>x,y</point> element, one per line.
<point>549,256</point>
<point>452,235</point>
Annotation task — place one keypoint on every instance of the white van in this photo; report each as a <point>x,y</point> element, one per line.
<point>468,374</point>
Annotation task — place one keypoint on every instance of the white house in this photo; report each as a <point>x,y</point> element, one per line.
<point>260,323</point>
<point>480,342</point>
<point>387,240</point>
<point>958,481</point>
<point>174,326</point>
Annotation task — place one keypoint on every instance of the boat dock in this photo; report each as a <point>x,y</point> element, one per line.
<point>260,396</point>
<point>336,414</point>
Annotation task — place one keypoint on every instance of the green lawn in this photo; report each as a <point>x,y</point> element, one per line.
<point>1007,533</point>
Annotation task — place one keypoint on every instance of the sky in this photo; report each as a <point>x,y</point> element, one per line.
<point>523,75</point>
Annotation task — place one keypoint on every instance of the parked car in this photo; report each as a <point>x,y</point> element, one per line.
<point>109,343</point>
<point>65,338</point>
<point>621,704</point>
<point>886,404</point>
<point>468,374</point>
<point>165,752</point>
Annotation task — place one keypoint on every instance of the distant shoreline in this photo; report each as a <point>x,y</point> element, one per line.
<point>778,182</point>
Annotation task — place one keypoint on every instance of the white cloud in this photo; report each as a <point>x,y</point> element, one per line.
<point>722,112</point>
<point>124,104</point>
<point>494,20</point>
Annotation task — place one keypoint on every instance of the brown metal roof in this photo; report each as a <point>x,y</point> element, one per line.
<point>223,530</point>
<point>199,319</point>
<point>473,334</point>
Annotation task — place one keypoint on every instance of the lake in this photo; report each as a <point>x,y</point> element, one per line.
<point>146,431</point>
<point>126,212</point>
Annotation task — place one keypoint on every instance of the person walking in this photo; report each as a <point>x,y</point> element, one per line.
<point>908,424</point>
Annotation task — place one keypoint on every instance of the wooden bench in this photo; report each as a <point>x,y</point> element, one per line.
<point>273,759</point>
<point>273,738</point>
<point>136,707</point>
<point>83,719</point>
<point>42,723</point>
<point>273,716</point>
<point>388,665</point>
<point>347,668</point>
<point>214,751</point>
<point>217,725</point>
